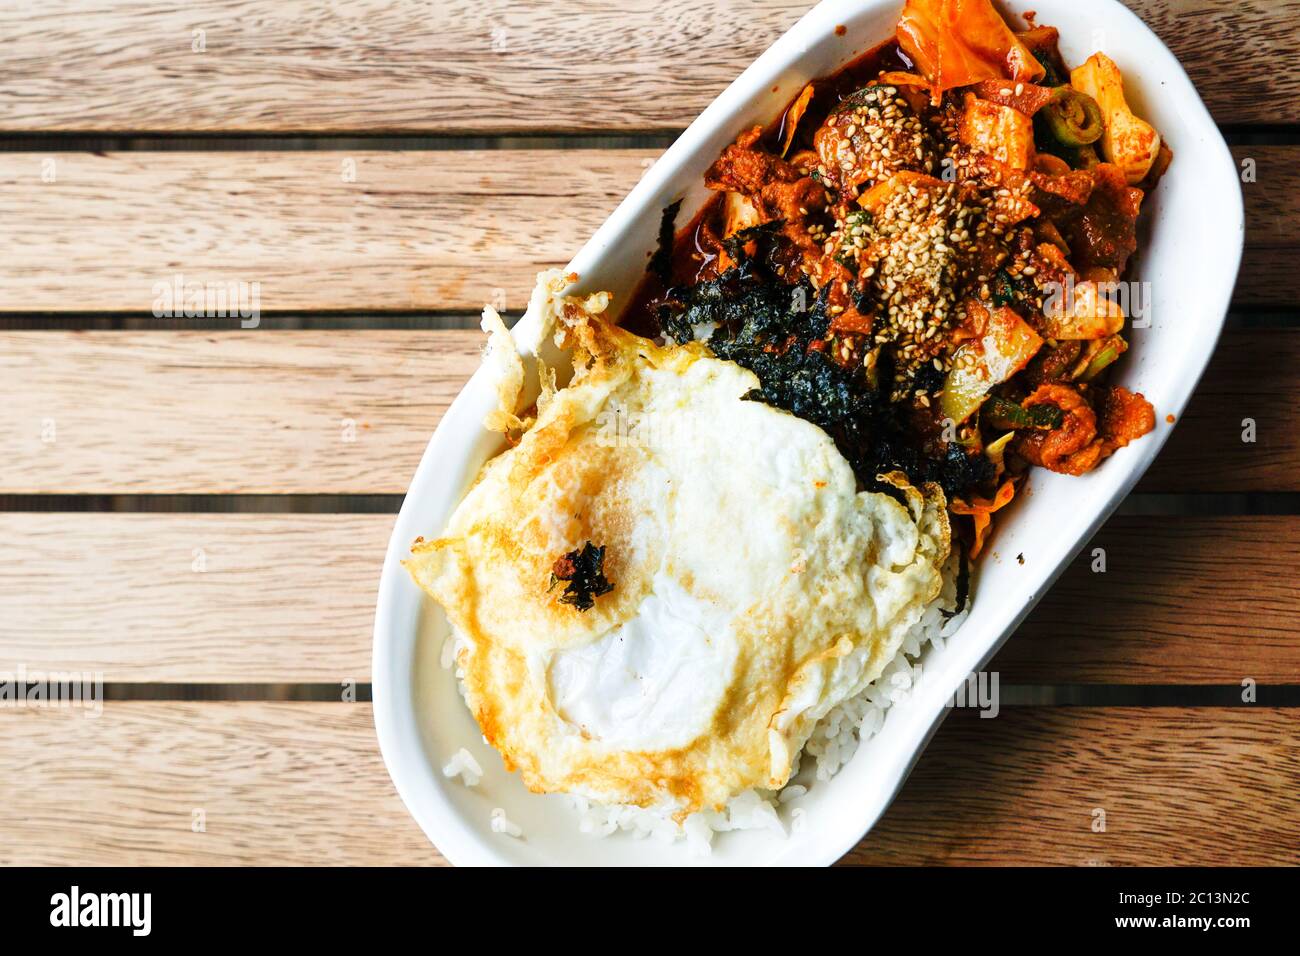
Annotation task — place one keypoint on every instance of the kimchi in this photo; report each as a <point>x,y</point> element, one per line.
<point>922,258</point>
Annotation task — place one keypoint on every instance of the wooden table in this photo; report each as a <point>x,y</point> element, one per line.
<point>199,511</point>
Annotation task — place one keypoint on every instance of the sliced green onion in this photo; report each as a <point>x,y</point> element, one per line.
<point>996,450</point>
<point>1108,354</point>
<point>1073,117</point>
<point>1007,414</point>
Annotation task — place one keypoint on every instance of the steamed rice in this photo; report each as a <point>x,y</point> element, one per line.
<point>463,765</point>
<point>500,823</point>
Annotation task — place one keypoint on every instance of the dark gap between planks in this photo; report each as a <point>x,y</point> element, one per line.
<point>342,320</point>
<point>1139,504</point>
<point>395,321</point>
<point>84,141</point>
<point>92,142</point>
<point>1009,695</point>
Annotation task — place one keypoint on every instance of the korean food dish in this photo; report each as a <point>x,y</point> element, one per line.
<point>723,530</point>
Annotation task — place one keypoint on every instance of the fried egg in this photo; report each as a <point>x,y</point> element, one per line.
<point>754,586</point>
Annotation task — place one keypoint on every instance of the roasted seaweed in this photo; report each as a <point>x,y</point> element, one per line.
<point>661,263</point>
<point>778,330</point>
<point>584,572</point>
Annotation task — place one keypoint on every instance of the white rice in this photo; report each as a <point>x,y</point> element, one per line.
<point>833,743</point>
<point>501,824</point>
<point>463,765</point>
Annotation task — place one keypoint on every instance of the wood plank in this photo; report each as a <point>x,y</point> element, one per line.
<point>267,411</point>
<point>224,412</point>
<point>434,231</point>
<point>1251,378</point>
<point>203,598</point>
<point>456,66</point>
<point>1024,786</point>
<point>1183,600</point>
<point>1021,788</point>
<point>1271,193</point>
<point>276,783</point>
<point>1270,181</point>
<point>1268,280</point>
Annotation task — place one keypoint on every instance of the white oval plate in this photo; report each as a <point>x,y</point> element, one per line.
<point>1188,254</point>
